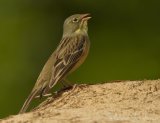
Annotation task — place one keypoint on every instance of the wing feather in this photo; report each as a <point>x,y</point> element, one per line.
<point>67,56</point>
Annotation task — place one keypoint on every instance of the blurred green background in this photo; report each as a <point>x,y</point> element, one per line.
<point>125,43</point>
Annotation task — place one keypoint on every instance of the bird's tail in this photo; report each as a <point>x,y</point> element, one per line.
<point>27,102</point>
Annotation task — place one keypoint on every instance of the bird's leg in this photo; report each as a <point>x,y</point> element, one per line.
<point>67,83</point>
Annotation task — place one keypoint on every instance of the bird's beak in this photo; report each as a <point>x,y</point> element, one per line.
<point>85,17</point>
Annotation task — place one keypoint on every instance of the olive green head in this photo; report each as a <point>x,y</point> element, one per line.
<point>76,24</point>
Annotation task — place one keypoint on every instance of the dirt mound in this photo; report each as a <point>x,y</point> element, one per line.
<point>116,102</point>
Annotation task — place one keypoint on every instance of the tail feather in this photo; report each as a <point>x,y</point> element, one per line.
<point>28,100</point>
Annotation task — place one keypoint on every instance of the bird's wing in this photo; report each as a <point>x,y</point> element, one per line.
<point>68,54</point>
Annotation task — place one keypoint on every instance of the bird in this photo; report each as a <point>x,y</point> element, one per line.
<point>70,53</point>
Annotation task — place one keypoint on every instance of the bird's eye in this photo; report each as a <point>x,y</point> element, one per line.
<point>75,20</point>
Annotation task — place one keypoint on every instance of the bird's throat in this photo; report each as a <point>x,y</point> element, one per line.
<point>78,31</point>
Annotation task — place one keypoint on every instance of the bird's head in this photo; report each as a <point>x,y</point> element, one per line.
<point>76,24</point>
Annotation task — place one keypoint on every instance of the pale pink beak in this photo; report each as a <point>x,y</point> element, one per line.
<point>85,17</point>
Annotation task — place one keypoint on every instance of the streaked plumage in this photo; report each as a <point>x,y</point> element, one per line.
<point>69,55</point>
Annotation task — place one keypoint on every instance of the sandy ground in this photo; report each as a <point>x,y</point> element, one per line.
<point>116,102</point>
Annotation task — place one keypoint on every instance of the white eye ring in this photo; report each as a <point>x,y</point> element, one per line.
<point>75,20</point>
